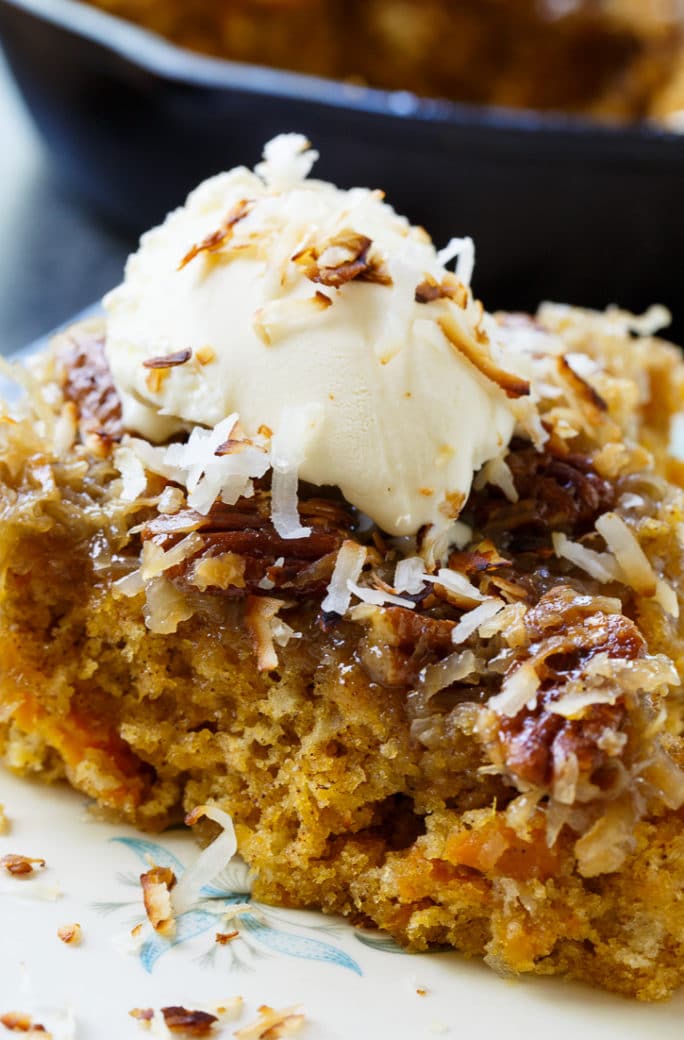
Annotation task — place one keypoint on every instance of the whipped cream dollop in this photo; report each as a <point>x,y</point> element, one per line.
<point>327,323</point>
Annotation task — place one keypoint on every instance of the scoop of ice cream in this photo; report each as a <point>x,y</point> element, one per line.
<point>321,316</point>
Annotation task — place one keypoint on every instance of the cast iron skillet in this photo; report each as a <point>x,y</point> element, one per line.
<point>559,208</point>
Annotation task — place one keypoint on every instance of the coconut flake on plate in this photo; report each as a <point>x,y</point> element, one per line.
<point>211,861</point>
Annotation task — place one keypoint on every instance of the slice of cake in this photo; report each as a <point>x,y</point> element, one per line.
<point>300,532</point>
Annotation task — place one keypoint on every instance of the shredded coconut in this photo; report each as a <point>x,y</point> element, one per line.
<point>519,690</point>
<point>348,566</point>
<point>210,862</point>
<point>471,621</point>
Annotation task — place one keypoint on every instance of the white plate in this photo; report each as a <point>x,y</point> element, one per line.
<point>350,983</point>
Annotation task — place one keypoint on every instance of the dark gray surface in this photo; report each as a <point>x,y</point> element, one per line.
<point>56,255</point>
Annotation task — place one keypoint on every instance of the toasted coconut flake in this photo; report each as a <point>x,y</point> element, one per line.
<point>190,1023</point>
<point>348,566</point>
<point>451,669</point>
<point>210,862</point>
<point>177,1019</point>
<point>219,572</point>
<point>133,475</point>
<point>497,472</point>
<point>584,390</point>
<point>20,1022</point>
<point>464,342</point>
<point>260,618</point>
<point>566,774</point>
<point>347,256</point>
<point>666,596</point>
<point>180,357</point>
<point>409,575</point>
<point>219,238</point>
<point>205,355</point>
<point>642,675</point>
<point>667,778</point>
<point>155,560</point>
<point>519,690</point>
<point>455,583</point>
<point>281,317</point>
<point>70,934</point>
<point>208,476</point>
<point>272,1024</point>
<point>606,844</point>
<point>450,288</point>
<point>601,566</point>
<point>378,597</point>
<point>142,1014</point>
<point>633,561</point>
<point>165,605</point>
<point>171,501</point>
<point>472,620</point>
<point>21,866</point>
<point>230,1009</point>
<point>510,622</point>
<point>157,883</point>
<point>223,938</point>
<point>4,820</point>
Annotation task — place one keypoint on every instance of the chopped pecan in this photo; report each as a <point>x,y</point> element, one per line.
<point>343,259</point>
<point>20,1022</point>
<point>179,1019</point>
<point>86,379</point>
<point>300,566</point>
<point>553,495</point>
<point>399,642</point>
<point>70,934</point>
<point>450,288</point>
<point>192,1023</point>
<point>157,883</point>
<point>567,631</point>
<point>20,866</point>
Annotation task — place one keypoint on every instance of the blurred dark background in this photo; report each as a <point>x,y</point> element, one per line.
<point>56,256</point>
<point>559,208</point>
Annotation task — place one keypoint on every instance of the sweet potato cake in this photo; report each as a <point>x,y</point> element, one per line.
<point>465,733</point>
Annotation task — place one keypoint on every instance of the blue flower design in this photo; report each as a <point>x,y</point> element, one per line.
<point>259,926</point>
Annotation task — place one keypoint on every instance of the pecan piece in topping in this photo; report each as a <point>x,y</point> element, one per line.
<point>567,631</point>
<point>86,379</point>
<point>450,288</point>
<point>301,566</point>
<point>399,642</point>
<point>343,259</point>
<point>20,866</point>
<point>553,495</point>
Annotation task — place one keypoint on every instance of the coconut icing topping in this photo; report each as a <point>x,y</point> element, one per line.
<point>330,327</point>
